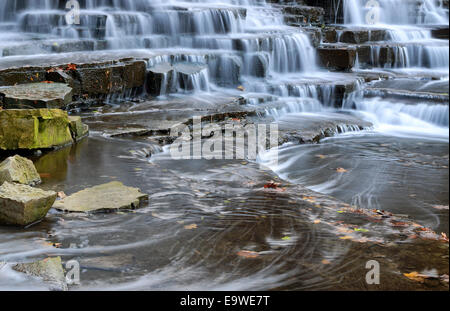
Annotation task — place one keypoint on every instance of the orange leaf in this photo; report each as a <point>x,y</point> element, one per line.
<point>190,227</point>
<point>248,254</point>
<point>341,170</point>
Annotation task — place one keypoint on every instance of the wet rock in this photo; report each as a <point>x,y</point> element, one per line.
<point>189,76</point>
<point>50,270</point>
<point>159,79</point>
<point>34,129</point>
<point>36,95</point>
<point>78,129</point>
<point>338,58</point>
<point>19,170</point>
<point>107,197</point>
<point>440,32</point>
<point>23,205</point>
<point>303,14</point>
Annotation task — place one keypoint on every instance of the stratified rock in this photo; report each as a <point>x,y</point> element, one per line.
<point>107,197</point>
<point>78,129</point>
<point>34,129</point>
<point>159,79</point>
<point>36,95</point>
<point>50,270</point>
<point>23,205</point>
<point>339,58</point>
<point>19,170</point>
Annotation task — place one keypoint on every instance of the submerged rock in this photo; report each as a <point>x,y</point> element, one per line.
<point>34,129</point>
<point>50,270</point>
<point>36,95</point>
<point>20,170</point>
<point>23,205</point>
<point>107,197</point>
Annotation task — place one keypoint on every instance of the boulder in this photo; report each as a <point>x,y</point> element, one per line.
<point>50,270</point>
<point>78,129</point>
<point>36,95</point>
<point>103,198</point>
<point>23,205</point>
<point>19,170</point>
<point>34,129</point>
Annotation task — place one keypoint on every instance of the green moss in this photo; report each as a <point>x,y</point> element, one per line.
<point>34,129</point>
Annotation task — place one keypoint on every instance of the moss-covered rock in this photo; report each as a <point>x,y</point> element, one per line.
<point>34,129</point>
<point>78,129</point>
<point>36,95</point>
<point>23,205</point>
<point>20,170</point>
<point>50,270</point>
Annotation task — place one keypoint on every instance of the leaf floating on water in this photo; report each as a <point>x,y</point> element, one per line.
<point>45,175</point>
<point>286,238</point>
<point>317,221</point>
<point>361,230</point>
<point>347,237</point>
<point>341,170</point>
<point>321,156</point>
<point>190,227</point>
<point>248,254</point>
<point>441,207</point>
<point>416,276</point>
<point>241,88</point>
<point>326,262</point>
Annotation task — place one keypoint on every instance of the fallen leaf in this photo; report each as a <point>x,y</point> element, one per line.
<point>326,262</point>
<point>271,185</point>
<point>62,195</point>
<point>317,221</point>
<point>190,227</point>
<point>441,207</point>
<point>341,170</point>
<point>347,237</point>
<point>286,238</point>
<point>415,276</point>
<point>248,254</point>
<point>45,175</point>
<point>71,67</point>
<point>361,230</point>
<point>241,88</point>
<point>321,156</point>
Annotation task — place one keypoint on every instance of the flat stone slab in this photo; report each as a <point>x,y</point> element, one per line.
<point>23,205</point>
<point>36,95</point>
<point>19,170</point>
<point>34,129</point>
<point>103,198</point>
<point>50,270</point>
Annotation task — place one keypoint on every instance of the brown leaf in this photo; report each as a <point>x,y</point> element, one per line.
<point>190,227</point>
<point>248,254</point>
<point>341,170</point>
<point>62,195</point>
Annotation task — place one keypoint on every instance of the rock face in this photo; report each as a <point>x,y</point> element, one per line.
<point>36,95</point>
<point>107,197</point>
<point>19,170</point>
<point>23,205</point>
<point>34,129</point>
<point>78,129</point>
<point>339,58</point>
<point>49,269</point>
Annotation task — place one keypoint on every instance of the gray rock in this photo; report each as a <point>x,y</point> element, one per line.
<point>50,270</point>
<point>19,170</point>
<point>23,205</point>
<point>107,197</point>
<point>36,95</point>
